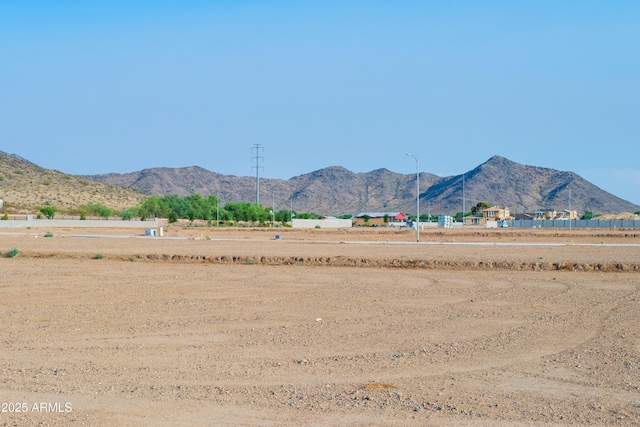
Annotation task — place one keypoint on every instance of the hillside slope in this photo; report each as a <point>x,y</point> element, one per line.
<point>25,187</point>
<point>522,188</point>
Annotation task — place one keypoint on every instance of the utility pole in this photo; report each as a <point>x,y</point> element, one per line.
<point>256,158</point>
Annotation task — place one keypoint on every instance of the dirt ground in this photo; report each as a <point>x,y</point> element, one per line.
<point>362,327</point>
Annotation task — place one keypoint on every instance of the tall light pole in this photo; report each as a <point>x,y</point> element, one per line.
<point>570,210</point>
<point>291,214</point>
<point>463,206</point>
<point>273,209</point>
<point>417,196</point>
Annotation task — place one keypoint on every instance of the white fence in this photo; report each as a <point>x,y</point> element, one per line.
<point>75,223</point>
<point>321,223</point>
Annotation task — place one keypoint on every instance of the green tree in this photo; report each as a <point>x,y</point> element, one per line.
<point>478,208</point>
<point>587,215</point>
<point>196,207</point>
<point>192,214</point>
<point>104,211</point>
<point>48,211</point>
<point>151,207</point>
<point>175,203</point>
<point>366,218</point>
<point>239,211</point>
<point>126,215</point>
<point>425,218</point>
<point>386,218</point>
<point>308,215</point>
<point>283,216</point>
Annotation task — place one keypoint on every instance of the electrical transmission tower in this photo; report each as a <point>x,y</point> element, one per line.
<point>256,158</point>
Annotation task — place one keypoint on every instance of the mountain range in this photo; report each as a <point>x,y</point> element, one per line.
<point>336,190</point>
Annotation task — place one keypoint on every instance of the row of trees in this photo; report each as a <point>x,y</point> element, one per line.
<point>196,207</point>
<point>193,207</point>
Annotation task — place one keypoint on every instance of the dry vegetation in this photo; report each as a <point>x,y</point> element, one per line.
<point>26,187</point>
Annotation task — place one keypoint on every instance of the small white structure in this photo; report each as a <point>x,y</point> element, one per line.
<point>445,221</point>
<point>0,203</point>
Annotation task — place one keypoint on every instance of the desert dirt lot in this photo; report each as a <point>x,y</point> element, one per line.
<point>362,327</point>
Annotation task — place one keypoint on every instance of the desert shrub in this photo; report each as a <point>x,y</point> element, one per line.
<point>47,234</point>
<point>99,256</point>
<point>48,211</point>
<point>5,217</point>
<point>12,252</point>
<point>317,226</point>
<point>97,209</point>
<point>104,212</point>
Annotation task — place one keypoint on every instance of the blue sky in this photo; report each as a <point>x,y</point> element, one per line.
<point>89,87</point>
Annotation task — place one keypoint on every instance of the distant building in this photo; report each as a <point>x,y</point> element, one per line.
<point>544,214</point>
<point>494,213</point>
<point>552,214</point>
<point>378,218</point>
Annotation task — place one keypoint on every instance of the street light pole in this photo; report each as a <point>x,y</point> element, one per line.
<point>291,210</point>
<point>417,197</point>
<point>570,210</point>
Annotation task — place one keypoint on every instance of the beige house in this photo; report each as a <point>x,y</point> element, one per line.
<point>544,214</point>
<point>380,219</point>
<point>568,214</point>
<point>494,213</point>
<point>551,214</point>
